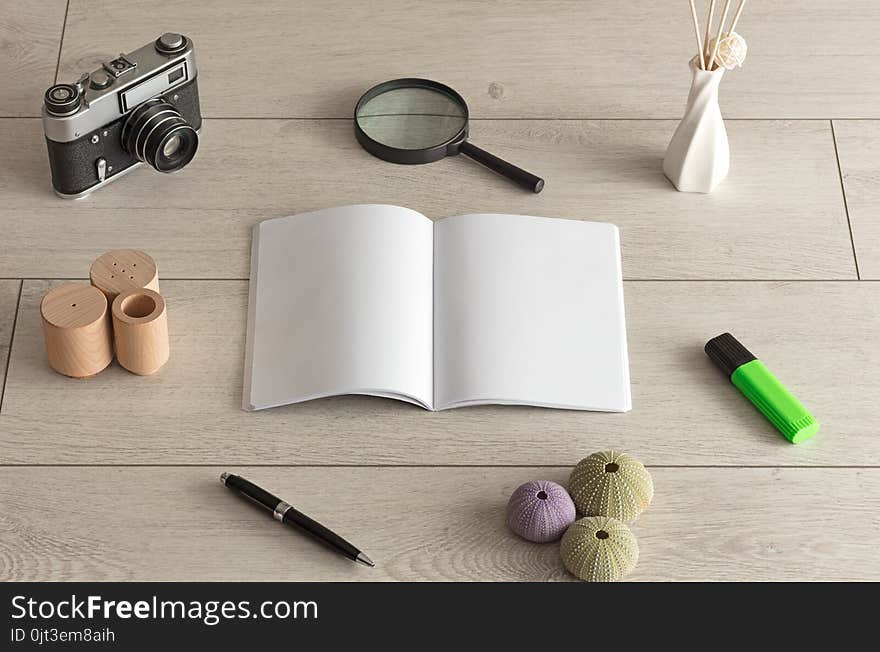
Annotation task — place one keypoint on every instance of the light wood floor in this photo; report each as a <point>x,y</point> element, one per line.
<point>116,478</point>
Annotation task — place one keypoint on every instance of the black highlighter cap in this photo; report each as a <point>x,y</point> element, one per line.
<point>727,353</point>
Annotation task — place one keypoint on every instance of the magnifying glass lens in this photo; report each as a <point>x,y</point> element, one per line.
<point>415,121</point>
<point>412,118</point>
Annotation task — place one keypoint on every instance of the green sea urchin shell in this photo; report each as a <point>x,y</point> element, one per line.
<point>611,483</point>
<point>599,549</point>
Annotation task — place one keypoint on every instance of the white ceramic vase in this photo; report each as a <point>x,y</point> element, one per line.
<point>698,156</point>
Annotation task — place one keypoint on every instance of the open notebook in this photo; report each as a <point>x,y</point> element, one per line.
<point>473,309</point>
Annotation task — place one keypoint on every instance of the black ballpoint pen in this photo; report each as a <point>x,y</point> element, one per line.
<point>285,513</point>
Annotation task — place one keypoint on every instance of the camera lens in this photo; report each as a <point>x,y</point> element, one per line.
<point>156,134</point>
<point>171,146</point>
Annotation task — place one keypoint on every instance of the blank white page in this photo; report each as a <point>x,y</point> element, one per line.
<point>340,303</point>
<point>529,310</point>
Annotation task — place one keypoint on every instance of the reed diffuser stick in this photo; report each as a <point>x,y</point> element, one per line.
<point>742,3</point>
<point>697,34</point>
<point>708,30</point>
<point>720,32</point>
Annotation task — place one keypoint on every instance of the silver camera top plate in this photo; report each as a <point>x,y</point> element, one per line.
<point>149,73</point>
<point>119,66</point>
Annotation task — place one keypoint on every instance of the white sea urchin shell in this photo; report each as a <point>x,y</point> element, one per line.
<point>611,483</point>
<point>599,549</point>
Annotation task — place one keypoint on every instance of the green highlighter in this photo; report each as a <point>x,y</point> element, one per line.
<point>762,388</point>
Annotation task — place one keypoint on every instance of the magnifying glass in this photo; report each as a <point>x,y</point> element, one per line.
<point>416,121</point>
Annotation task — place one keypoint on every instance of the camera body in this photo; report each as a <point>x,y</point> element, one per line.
<point>142,107</point>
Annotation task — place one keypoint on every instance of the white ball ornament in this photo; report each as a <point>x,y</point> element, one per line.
<point>732,50</point>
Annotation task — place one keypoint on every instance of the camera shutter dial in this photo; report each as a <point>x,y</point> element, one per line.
<point>62,99</point>
<point>170,43</point>
<point>100,79</point>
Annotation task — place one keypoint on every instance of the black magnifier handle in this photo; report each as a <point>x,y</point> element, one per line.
<point>519,176</point>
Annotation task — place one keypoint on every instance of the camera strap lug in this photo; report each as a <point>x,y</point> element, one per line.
<point>81,82</point>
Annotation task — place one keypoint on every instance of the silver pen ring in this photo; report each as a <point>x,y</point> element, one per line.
<point>280,510</point>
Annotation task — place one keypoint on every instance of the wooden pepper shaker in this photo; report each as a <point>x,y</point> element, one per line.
<point>122,269</point>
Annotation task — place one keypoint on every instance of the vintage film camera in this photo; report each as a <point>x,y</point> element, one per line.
<point>142,107</point>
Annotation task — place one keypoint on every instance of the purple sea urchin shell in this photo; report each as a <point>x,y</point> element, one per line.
<point>540,511</point>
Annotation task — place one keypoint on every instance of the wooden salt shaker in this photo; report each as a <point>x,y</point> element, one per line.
<point>140,327</point>
<point>77,332</point>
<point>122,269</point>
